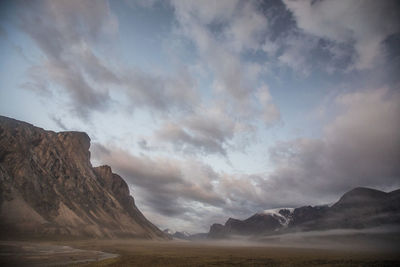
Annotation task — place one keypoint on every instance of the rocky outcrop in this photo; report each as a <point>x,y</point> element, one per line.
<point>48,187</point>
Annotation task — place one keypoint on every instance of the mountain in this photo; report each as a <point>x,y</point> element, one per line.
<point>168,232</point>
<point>185,235</point>
<point>48,187</point>
<point>181,235</point>
<point>357,209</point>
<point>260,223</point>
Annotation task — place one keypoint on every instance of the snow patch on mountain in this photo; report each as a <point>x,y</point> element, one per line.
<point>283,215</point>
<point>184,233</point>
<point>168,231</point>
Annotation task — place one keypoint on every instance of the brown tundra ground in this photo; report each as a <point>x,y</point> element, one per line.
<point>181,253</point>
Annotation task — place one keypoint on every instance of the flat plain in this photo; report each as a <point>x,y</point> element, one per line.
<point>181,253</point>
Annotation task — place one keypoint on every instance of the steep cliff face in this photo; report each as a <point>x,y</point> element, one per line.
<point>48,187</point>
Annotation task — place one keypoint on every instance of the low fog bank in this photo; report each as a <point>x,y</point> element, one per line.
<point>383,239</point>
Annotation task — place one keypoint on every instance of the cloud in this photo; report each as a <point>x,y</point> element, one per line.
<point>182,140</point>
<point>185,192</point>
<point>215,129</point>
<point>362,24</point>
<point>360,147</point>
<point>72,36</point>
<point>296,54</point>
<point>268,110</point>
<point>206,131</point>
<point>59,122</point>
<point>64,31</point>
<point>166,185</point>
<point>221,32</point>
<point>160,92</point>
<point>247,29</point>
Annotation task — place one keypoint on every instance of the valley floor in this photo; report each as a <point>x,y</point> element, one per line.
<point>181,253</point>
<point>28,253</point>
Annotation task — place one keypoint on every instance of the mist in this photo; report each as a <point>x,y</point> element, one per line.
<point>383,239</point>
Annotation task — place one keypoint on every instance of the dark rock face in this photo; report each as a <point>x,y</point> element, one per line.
<point>234,226</point>
<point>360,197</point>
<point>48,187</point>
<point>259,223</point>
<point>217,231</point>
<point>306,215</point>
<point>256,224</point>
<point>356,209</point>
<point>363,208</point>
<point>181,235</point>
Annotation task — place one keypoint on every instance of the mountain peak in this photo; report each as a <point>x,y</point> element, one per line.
<point>231,221</point>
<point>48,187</point>
<point>360,196</point>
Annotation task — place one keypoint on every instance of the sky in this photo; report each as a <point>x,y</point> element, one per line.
<point>214,109</point>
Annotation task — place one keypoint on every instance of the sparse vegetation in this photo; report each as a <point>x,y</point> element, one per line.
<point>144,253</point>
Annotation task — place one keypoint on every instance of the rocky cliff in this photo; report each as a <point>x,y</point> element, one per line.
<point>48,187</point>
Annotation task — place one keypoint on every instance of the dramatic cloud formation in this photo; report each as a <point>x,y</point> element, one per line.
<point>208,130</point>
<point>64,36</point>
<point>167,184</point>
<point>360,147</point>
<point>358,23</point>
<point>221,32</point>
<point>68,33</point>
<point>212,109</point>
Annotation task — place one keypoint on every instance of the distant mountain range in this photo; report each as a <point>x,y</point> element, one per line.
<point>359,208</point>
<point>180,235</point>
<point>48,187</point>
<point>185,235</point>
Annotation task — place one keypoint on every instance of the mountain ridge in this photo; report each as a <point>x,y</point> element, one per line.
<point>48,187</point>
<point>358,208</point>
